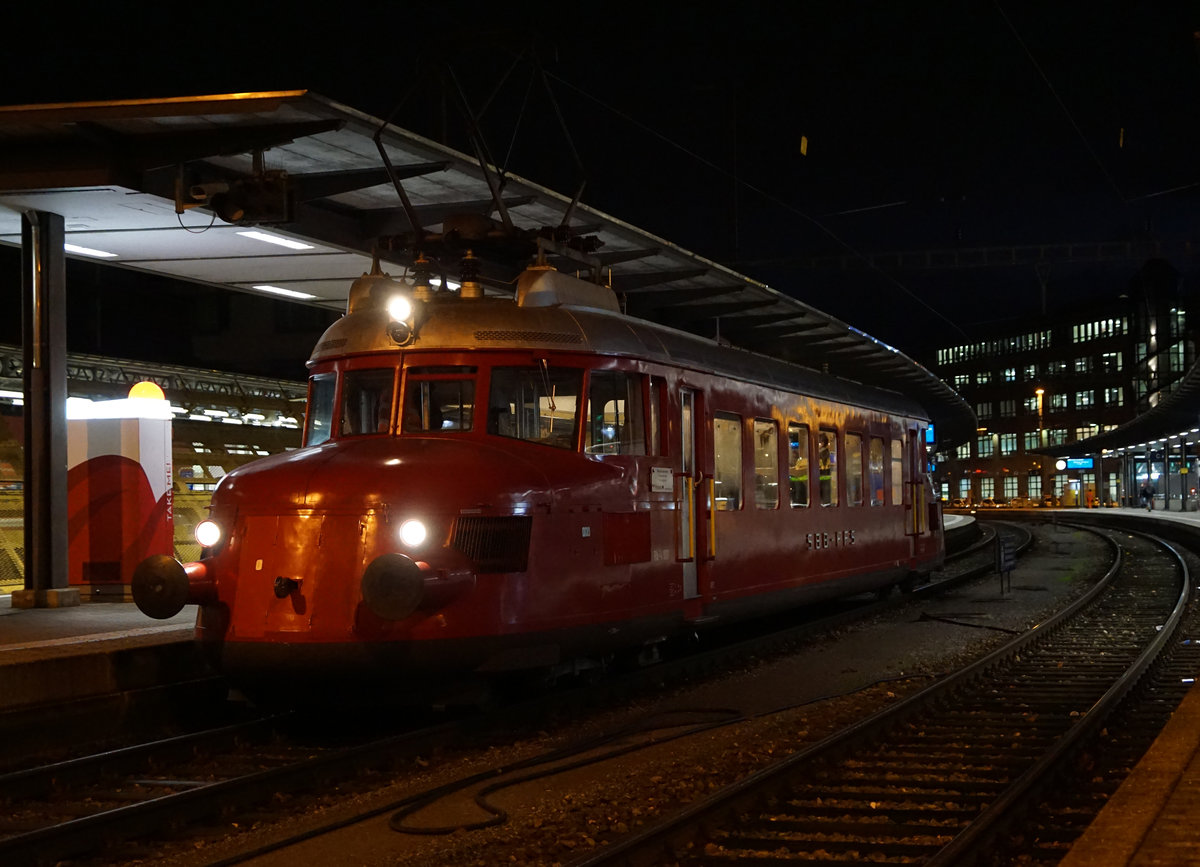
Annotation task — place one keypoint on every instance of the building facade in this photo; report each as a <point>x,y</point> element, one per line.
<point>1060,379</point>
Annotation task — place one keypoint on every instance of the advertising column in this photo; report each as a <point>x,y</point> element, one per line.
<point>118,490</point>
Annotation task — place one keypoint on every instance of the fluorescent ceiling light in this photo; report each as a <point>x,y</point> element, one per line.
<point>277,239</point>
<point>88,251</point>
<point>286,293</point>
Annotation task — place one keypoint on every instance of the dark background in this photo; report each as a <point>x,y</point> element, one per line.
<point>934,126</point>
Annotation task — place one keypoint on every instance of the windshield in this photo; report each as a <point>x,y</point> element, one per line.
<point>439,399</point>
<point>367,401</point>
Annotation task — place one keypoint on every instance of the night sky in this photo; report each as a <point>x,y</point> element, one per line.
<point>777,144</point>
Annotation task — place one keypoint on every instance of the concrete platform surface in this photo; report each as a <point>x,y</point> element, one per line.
<point>55,655</point>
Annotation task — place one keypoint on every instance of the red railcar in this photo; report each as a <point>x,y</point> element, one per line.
<point>489,485</point>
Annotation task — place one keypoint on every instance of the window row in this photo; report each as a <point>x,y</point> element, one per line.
<point>867,463</point>
<point>1053,403</point>
<point>1100,329</point>
<point>1000,346</point>
<point>1106,362</point>
<point>535,403</point>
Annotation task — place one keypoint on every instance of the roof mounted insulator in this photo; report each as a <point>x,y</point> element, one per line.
<point>470,287</point>
<point>422,287</point>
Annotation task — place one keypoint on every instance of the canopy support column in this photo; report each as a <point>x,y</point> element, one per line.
<point>44,342</point>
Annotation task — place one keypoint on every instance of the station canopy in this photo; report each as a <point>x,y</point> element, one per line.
<point>205,189</point>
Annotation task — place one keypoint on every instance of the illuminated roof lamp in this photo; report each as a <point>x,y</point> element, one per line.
<point>402,327</point>
<point>379,290</point>
<point>147,390</point>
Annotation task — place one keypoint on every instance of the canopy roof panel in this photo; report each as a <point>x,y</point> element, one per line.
<point>142,181</point>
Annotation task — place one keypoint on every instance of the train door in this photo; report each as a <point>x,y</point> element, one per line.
<point>914,472</point>
<point>687,536</point>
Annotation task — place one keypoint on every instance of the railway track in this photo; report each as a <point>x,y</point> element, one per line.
<point>83,805</point>
<point>938,777</point>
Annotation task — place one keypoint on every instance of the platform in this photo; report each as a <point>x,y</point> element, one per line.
<point>1151,818</point>
<point>50,655</point>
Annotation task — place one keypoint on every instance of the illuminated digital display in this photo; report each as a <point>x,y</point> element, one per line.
<point>1079,463</point>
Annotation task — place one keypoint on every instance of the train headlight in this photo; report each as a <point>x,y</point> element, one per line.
<point>208,533</point>
<point>400,308</point>
<point>412,532</point>
<point>402,313</point>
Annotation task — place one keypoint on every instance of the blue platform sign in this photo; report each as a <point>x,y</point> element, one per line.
<point>1079,463</point>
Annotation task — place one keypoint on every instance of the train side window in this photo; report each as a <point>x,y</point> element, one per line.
<point>614,415</point>
<point>727,461</point>
<point>854,469</point>
<point>367,401</point>
<point>798,464</point>
<point>654,445</point>
<point>897,472</point>
<point>766,464</point>
<point>875,470</point>
<point>318,426</point>
<point>827,466</point>
<point>537,404</point>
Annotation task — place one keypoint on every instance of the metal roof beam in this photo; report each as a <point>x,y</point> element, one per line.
<point>393,221</point>
<point>648,302</point>
<point>642,279</point>
<point>701,312</point>
<point>320,185</point>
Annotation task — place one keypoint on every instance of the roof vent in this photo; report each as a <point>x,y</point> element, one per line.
<point>543,286</point>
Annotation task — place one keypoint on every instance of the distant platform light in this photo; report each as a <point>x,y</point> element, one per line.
<point>147,389</point>
<point>279,240</point>
<point>88,251</point>
<point>286,293</point>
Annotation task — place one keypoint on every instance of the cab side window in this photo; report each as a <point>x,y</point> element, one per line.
<point>537,404</point>
<point>318,424</point>
<point>614,423</point>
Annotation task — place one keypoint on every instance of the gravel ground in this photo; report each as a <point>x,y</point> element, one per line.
<point>782,703</point>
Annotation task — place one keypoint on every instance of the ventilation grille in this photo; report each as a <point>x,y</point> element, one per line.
<point>498,336</point>
<point>495,544</point>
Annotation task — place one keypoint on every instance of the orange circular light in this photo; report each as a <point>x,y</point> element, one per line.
<point>147,389</point>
